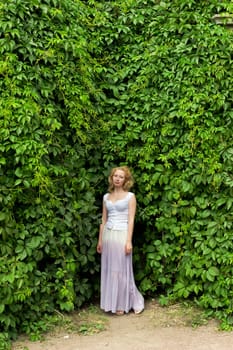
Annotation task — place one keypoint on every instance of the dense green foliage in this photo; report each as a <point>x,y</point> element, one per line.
<point>48,130</point>
<point>86,85</point>
<point>169,88</point>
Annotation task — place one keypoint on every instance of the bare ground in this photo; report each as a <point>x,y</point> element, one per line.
<point>174,328</point>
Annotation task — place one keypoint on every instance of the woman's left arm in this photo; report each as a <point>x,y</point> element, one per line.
<point>131,217</point>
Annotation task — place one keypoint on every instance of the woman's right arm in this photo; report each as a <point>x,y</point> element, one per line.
<point>104,219</point>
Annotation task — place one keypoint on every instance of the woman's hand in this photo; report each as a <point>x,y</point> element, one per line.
<point>128,248</point>
<point>99,248</point>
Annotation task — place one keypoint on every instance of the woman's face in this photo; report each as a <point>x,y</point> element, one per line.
<point>118,178</point>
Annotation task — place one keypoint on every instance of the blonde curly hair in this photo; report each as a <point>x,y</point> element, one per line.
<point>129,181</point>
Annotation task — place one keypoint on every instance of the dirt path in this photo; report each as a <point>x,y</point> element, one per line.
<point>155,329</point>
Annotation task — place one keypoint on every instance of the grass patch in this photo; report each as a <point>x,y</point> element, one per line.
<point>87,321</point>
<point>184,314</point>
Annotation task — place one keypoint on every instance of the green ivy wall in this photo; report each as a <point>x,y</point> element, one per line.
<point>168,85</point>
<point>88,85</point>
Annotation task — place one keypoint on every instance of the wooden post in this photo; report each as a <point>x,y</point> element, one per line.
<point>224,20</point>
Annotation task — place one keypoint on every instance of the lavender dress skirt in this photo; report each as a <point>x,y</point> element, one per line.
<point>118,289</point>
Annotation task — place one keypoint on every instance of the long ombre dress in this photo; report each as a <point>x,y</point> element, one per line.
<point>118,289</point>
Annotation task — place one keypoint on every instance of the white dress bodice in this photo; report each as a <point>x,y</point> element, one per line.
<point>117,212</point>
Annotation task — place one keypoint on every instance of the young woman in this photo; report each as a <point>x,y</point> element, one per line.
<point>119,293</point>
